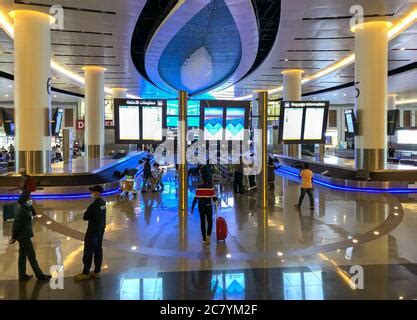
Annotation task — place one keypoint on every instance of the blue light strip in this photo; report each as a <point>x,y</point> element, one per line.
<point>74,196</point>
<point>60,196</point>
<point>352,189</point>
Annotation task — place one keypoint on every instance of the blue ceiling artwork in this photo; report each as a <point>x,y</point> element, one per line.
<point>204,53</point>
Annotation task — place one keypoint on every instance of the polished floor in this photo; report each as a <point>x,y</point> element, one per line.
<point>152,252</point>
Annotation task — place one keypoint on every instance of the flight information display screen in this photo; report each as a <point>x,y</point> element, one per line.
<point>213,124</point>
<point>293,123</point>
<point>152,123</point>
<point>407,136</point>
<point>140,121</point>
<point>314,122</point>
<point>129,118</point>
<point>303,122</point>
<point>235,123</point>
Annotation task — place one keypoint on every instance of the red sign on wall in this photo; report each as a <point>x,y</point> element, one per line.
<point>81,124</point>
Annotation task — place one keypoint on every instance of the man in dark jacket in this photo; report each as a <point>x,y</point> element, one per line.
<point>238,177</point>
<point>22,233</point>
<point>204,196</point>
<point>93,240</point>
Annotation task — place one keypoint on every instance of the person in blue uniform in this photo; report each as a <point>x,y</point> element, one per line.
<point>93,241</point>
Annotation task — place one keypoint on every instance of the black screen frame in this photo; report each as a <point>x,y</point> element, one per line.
<point>354,121</point>
<point>392,123</point>
<point>326,108</point>
<point>140,103</point>
<point>54,130</point>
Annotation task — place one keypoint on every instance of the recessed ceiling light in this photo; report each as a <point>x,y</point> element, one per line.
<point>286,60</point>
<point>10,86</point>
<point>376,233</point>
<point>402,49</point>
<point>54,95</point>
<point>133,248</point>
<point>335,94</point>
<point>345,95</point>
<point>6,95</point>
<point>355,241</point>
<point>228,256</point>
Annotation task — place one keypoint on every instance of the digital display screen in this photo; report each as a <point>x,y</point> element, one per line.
<point>350,121</point>
<point>58,122</point>
<point>152,123</point>
<point>235,123</point>
<point>213,124</point>
<point>314,122</point>
<point>172,121</point>
<point>193,108</point>
<point>172,107</point>
<point>293,123</point>
<point>193,121</point>
<point>407,136</point>
<point>129,128</point>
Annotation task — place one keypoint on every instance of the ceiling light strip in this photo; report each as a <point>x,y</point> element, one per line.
<point>396,30</point>
<point>8,28</point>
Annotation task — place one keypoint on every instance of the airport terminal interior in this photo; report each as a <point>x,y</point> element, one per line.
<point>154,105</point>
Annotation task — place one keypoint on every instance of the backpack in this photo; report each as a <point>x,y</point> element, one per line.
<point>31,185</point>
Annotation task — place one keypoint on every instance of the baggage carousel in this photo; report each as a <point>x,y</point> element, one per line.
<point>72,179</point>
<point>340,174</point>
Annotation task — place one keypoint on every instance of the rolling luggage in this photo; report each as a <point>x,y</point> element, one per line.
<point>221,228</point>
<point>9,211</point>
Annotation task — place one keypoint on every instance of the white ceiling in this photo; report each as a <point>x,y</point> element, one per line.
<point>114,47</point>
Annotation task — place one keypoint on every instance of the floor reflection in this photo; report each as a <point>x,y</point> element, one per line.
<point>153,253</point>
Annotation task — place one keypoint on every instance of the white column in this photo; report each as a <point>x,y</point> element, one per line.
<point>94,111</point>
<point>119,93</point>
<point>371,75</point>
<point>292,92</point>
<point>32,56</point>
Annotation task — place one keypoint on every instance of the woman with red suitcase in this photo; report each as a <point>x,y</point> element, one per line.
<point>205,196</point>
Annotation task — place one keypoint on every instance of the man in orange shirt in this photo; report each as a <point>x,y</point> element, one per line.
<point>306,186</point>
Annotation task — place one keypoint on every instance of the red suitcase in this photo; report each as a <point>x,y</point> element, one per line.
<point>221,229</point>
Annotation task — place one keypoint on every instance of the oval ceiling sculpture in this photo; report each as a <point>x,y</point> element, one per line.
<point>202,45</point>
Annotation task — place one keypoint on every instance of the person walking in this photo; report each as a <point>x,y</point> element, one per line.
<point>93,240</point>
<point>238,177</point>
<point>205,196</point>
<point>22,232</point>
<point>306,186</point>
<point>207,173</point>
<point>147,174</point>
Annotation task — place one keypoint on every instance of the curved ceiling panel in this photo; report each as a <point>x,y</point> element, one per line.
<point>205,52</point>
<point>202,45</point>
